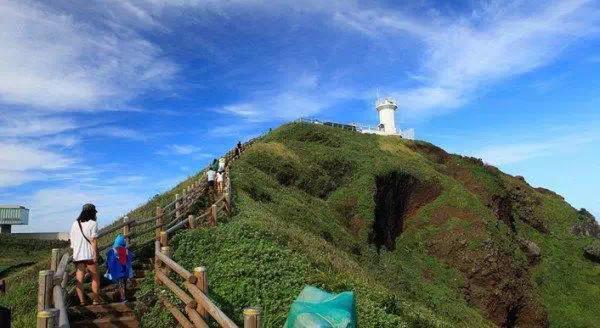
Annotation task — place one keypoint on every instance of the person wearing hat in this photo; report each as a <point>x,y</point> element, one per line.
<point>118,265</point>
<point>84,232</point>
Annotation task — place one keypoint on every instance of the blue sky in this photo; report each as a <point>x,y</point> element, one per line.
<point>111,102</point>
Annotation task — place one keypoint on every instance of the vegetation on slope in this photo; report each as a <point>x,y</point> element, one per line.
<point>423,237</point>
<point>20,262</point>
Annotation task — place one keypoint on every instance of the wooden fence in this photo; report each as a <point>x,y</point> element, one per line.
<point>176,215</point>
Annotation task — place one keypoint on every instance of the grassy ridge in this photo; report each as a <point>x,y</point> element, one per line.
<point>304,197</point>
<point>20,262</point>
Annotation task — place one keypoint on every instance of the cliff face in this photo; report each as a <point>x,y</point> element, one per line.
<point>425,238</point>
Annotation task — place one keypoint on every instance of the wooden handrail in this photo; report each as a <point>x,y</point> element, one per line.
<point>210,307</point>
<point>195,317</point>
<point>58,296</point>
<point>61,269</point>
<point>142,222</point>
<point>177,226</point>
<point>183,321</point>
<point>183,296</point>
<point>114,228</point>
<point>52,283</point>
<point>185,274</point>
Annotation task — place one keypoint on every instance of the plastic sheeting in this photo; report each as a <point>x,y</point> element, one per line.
<point>316,308</point>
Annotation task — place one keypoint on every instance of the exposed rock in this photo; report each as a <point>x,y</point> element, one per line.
<point>532,250</point>
<point>592,251</point>
<point>586,225</point>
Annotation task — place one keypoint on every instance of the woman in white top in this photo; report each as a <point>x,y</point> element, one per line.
<point>220,182</point>
<point>221,164</point>
<point>84,232</point>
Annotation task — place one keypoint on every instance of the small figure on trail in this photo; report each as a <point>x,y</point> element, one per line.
<point>215,165</point>
<point>238,149</point>
<point>221,164</point>
<point>210,176</point>
<point>118,265</point>
<point>84,232</point>
<point>220,182</point>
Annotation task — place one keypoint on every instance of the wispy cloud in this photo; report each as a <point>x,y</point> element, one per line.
<point>114,132</point>
<point>302,97</point>
<point>502,154</point>
<point>52,61</point>
<point>180,150</point>
<point>22,162</point>
<point>463,55</point>
<point>12,126</point>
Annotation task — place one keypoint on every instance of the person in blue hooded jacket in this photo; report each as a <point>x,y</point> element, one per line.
<point>118,265</point>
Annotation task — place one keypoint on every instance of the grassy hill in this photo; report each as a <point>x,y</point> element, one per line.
<point>20,262</point>
<point>423,237</point>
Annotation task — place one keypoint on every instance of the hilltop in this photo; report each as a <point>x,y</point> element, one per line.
<point>425,238</point>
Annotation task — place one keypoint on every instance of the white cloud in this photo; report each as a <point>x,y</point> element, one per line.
<point>21,163</point>
<point>23,157</point>
<point>503,154</point>
<point>52,61</point>
<point>12,126</point>
<point>111,203</point>
<point>465,54</point>
<point>183,150</point>
<point>114,132</point>
<point>302,97</point>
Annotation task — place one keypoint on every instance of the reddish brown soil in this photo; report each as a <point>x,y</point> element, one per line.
<point>434,153</point>
<point>494,283</point>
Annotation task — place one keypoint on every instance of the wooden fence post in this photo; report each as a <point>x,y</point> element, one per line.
<point>164,239</point>
<point>178,206</point>
<point>47,318</point>
<point>168,253</point>
<point>159,221</point>
<point>54,258</point>
<point>213,215</point>
<point>191,223</point>
<point>252,317</point>
<point>45,285</point>
<point>202,284</point>
<point>159,228</point>
<point>126,230</point>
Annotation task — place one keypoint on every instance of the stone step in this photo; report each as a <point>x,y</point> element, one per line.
<point>119,322</point>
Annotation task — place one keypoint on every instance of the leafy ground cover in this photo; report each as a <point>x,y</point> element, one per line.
<point>20,262</point>
<point>424,238</point>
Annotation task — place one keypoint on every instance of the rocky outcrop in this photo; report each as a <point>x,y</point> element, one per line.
<point>592,251</point>
<point>531,249</point>
<point>586,225</point>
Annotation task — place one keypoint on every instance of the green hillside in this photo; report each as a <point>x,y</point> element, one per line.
<point>20,261</point>
<point>423,237</point>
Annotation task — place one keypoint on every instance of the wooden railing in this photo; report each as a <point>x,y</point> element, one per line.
<point>176,215</point>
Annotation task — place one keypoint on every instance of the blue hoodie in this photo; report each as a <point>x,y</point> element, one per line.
<point>118,261</point>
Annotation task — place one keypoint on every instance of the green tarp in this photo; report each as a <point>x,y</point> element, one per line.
<point>317,308</point>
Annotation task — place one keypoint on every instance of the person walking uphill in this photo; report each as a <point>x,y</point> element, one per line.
<point>84,232</point>
<point>118,265</point>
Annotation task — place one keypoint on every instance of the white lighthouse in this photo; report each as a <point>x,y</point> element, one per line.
<point>386,108</point>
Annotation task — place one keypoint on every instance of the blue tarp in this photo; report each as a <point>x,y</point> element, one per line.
<point>316,308</point>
